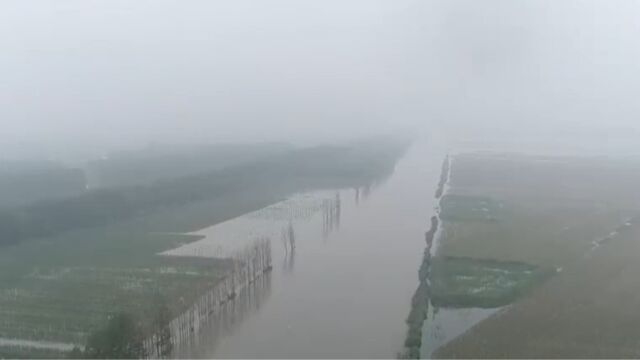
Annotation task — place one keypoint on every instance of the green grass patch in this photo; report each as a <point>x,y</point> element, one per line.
<point>460,282</point>
<point>63,288</point>
<point>455,207</point>
<point>96,255</point>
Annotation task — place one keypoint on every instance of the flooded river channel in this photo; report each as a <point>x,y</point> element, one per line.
<point>342,286</point>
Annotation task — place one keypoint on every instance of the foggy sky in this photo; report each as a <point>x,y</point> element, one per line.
<point>104,74</point>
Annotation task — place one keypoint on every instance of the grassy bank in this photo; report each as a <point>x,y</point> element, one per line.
<point>420,301</point>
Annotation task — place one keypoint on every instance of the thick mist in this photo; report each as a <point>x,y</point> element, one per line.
<point>81,77</point>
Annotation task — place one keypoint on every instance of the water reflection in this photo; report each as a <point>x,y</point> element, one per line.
<point>330,215</point>
<point>289,241</point>
<point>324,292</point>
<point>283,220</point>
<point>455,293</point>
<point>362,193</point>
<point>289,238</point>
<point>275,222</point>
<point>289,262</point>
<point>460,292</point>
<point>225,321</point>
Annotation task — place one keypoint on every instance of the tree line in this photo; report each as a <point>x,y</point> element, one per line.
<point>125,336</point>
<point>27,185</point>
<point>327,166</point>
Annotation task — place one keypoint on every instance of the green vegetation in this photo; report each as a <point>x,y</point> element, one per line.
<point>92,273</point>
<point>574,214</point>
<point>28,183</point>
<point>162,162</point>
<point>421,299</point>
<point>454,207</point>
<point>530,232</point>
<point>65,304</point>
<point>417,316</point>
<point>293,171</point>
<point>120,339</point>
<point>163,343</point>
<point>444,177</point>
<point>450,282</point>
<point>89,261</point>
<point>468,282</point>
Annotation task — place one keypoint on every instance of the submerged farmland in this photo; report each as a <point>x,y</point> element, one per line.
<point>532,257</point>
<point>61,286</point>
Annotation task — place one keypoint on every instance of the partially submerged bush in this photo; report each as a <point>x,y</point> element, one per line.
<point>120,339</point>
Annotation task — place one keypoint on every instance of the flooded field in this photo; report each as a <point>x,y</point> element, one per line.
<point>513,237</point>
<point>482,255</point>
<point>70,290</point>
<point>345,267</point>
<point>571,219</point>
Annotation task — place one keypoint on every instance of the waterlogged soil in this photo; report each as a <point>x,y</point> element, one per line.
<point>574,215</point>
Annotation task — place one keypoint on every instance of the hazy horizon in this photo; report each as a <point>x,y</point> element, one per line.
<point>101,75</point>
<point>403,179</point>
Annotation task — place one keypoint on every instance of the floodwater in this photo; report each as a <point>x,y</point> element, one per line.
<point>343,287</point>
<point>443,325</point>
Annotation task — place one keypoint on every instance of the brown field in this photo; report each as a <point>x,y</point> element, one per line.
<point>553,211</point>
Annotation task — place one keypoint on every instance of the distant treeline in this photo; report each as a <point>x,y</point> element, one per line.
<point>292,171</point>
<point>22,184</point>
<point>161,162</point>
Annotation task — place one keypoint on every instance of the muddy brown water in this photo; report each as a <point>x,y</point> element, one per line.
<point>345,290</point>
